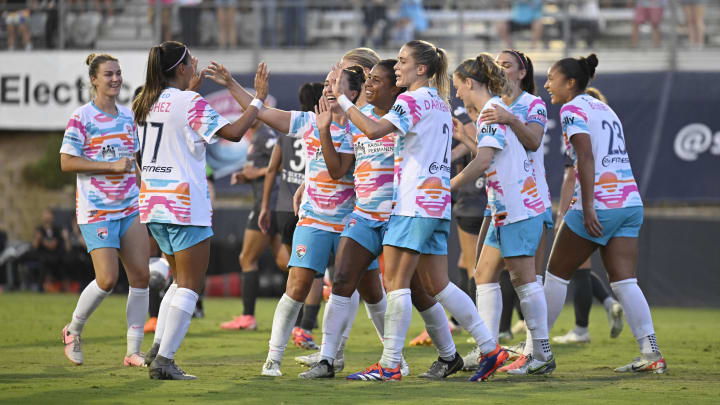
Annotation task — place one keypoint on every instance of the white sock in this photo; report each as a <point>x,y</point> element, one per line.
<point>488,298</point>
<point>534,308</point>
<point>461,307</point>
<point>162,313</point>
<point>89,300</point>
<point>286,314</point>
<point>637,313</point>
<point>580,330</point>
<point>376,312</point>
<point>436,324</point>
<point>352,313</point>
<point>397,321</point>
<point>136,311</point>
<point>608,303</point>
<point>334,322</point>
<point>539,279</point>
<point>555,294</point>
<point>178,321</point>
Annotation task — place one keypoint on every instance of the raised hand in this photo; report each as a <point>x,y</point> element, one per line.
<point>219,74</point>
<point>261,81</point>
<point>197,78</point>
<point>323,113</point>
<point>338,87</point>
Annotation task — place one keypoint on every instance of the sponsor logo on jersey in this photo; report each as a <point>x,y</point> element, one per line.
<point>157,169</point>
<point>300,251</point>
<point>102,233</point>
<point>608,160</point>
<point>399,110</point>
<point>435,167</point>
<point>526,165</point>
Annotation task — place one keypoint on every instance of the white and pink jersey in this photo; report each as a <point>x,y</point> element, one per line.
<point>374,171</point>
<point>615,185</point>
<point>422,154</point>
<point>513,195</point>
<point>326,202</point>
<point>174,188</point>
<point>531,109</point>
<point>98,136</point>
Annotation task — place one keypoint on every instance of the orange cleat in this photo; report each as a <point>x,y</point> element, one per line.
<point>422,340</point>
<point>150,325</point>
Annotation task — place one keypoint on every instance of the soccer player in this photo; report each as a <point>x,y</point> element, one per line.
<point>174,196</point>
<point>416,238</point>
<point>608,211</point>
<point>328,197</point>
<point>99,145</point>
<point>516,207</point>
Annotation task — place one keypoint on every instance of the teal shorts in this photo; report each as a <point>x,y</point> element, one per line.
<point>616,223</point>
<point>518,238</point>
<point>368,233</point>
<point>548,219</point>
<point>106,234</point>
<point>427,236</point>
<point>173,238</point>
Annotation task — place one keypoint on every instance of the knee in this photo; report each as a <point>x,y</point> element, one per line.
<point>247,261</point>
<point>299,289</point>
<point>106,283</point>
<point>342,284</point>
<point>139,279</point>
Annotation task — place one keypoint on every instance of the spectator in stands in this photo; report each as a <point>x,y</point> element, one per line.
<point>694,18</point>
<point>108,13</point>
<point>165,14</point>
<point>268,11</point>
<point>47,253</point>
<point>227,34</point>
<point>17,15</point>
<point>585,22</point>
<point>525,14</point>
<point>189,17</point>
<point>411,20</point>
<point>647,11</point>
<point>77,262</point>
<point>295,11</point>
<point>376,23</point>
<point>49,8</point>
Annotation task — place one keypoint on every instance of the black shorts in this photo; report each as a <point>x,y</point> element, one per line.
<point>252,222</point>
<point>515,27</point>
<point>470,224</point>
<point>286,222</point>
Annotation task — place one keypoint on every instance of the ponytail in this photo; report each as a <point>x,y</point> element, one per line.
<point>484,70</point>
<point>441,78</point>
<point>163,61</point>
<point>582,70</point>
<point>436,61</point>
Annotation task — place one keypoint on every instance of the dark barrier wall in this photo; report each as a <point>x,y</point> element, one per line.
<point>684,166</point>
<point>679,262</point>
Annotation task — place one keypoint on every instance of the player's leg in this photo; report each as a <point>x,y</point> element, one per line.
<point>613,308</point>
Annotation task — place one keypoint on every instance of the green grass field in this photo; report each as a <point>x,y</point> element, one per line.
<point>34,370</point>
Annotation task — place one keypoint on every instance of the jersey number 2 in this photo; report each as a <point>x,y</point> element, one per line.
<point>159,126</point>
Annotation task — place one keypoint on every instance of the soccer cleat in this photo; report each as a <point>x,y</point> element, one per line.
<point>134,360</point>
<point>303,339</point>
<point>615,319</point>
<point>422,339</point>
<point>404,367</point>
<point>73,346</point>
<point>515,351</point>
<point>519,362</point>
<point>535,367</point>
<point>246,322</point>
<point>151,354</point>
<point>572,337</point>
<point>310,360</point>
<point>505,337</point>
<point>441,368</point>
<point>150,325</point>
<point>489,363</point>
<point>321,369</point>
<point>471,361</point>
<point>163,368</point>
<point>271,369</point>
<point>519,327</point>
<point>376,372</point>
<point>646,363</point>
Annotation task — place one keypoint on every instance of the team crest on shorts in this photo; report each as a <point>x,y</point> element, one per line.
<point>352,223</point>
<point>102,233</point>
<point>300,251</point>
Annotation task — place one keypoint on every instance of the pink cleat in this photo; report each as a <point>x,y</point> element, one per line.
<point>134,360</point>
<point>246,322</point>
<point>73,347</point>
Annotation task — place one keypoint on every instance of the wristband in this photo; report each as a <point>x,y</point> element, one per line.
<point>257,103</point>
<point>345,102</point>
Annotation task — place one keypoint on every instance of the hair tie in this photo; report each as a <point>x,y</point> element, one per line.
<point>179,60</point>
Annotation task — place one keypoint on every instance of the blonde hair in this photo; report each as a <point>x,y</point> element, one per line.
<point>94,61</point>
<point>365,57</point>
<point>436,61</point>
<point>484,70</point>
<point>595,93</point>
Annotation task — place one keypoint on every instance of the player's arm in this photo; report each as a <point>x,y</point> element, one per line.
<point>530,136</point>
<point>586,174</point>
<point>235,131</point>
<point>566,192</point>
<point>475,168</point>
<point>337,163</point>
<point>275,118</point>
<point>272,170</point>
<point>77,164</point>
<point>297,198</point>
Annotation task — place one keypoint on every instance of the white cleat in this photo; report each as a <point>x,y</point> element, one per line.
<point>271,369</point>
<point>471,361</point>
<point>572,337</point>
<point>615,319</point>
<point>310,360</point>
<point>646,363</point>
<point>404,367</point>
<point>73,346</point>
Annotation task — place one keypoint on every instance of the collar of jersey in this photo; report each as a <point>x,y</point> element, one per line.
<point>517,99</point>
<point>92,103</point>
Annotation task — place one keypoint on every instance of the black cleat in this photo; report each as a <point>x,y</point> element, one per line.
<point>442,368</point>
<point>150,355</point>
<point>165,369</point>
